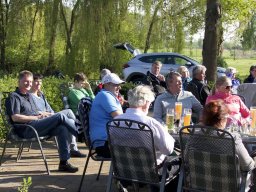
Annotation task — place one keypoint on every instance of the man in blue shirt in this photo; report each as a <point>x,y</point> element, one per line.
<point>22,109</point>
<point>104,108</point>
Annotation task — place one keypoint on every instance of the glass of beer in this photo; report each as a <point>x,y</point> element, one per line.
<point>170,118</point>
<point>253,120</point>
<point>178,110</point>
<point>187,117</point>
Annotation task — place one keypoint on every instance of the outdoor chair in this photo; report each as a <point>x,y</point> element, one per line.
<point>248,91</point>
<point>64,88</point>
<point>209,161</point>
<point>13,137</point>
<point>84,108</point>
<point>133,155</point>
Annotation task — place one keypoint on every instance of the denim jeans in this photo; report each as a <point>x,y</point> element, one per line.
<point>56,125</point>
<point>72,140</point>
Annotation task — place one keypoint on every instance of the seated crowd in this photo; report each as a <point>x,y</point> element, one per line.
<point>217,108</point>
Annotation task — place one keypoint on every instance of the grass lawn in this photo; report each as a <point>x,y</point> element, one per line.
<point>243,61</point>
<point>242,65</point>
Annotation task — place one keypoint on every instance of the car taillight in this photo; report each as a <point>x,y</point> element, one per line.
<point>126,66</point>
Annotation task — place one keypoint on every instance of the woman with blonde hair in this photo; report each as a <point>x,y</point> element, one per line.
<point>238,112</point>
<point>185,76</point>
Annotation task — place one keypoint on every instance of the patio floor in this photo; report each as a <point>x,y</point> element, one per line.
<point>31,164</point>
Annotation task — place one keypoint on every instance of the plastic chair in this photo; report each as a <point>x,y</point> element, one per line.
<point>133,154</point>
<point>84,108</point>
<point>209,161</point>
<point>13,137</point>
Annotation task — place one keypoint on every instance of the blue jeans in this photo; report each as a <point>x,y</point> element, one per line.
<point>72,140</point>
<point>56,125</point>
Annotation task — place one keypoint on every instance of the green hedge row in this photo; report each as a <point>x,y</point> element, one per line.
<point>51,89</point>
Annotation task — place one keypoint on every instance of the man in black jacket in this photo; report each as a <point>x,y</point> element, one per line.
<point>197,85</point>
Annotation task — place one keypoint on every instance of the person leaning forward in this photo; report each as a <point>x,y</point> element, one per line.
<point>21,108</point>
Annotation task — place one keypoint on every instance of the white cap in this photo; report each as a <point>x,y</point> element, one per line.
<point>112,78</point>
<point>104,72</point>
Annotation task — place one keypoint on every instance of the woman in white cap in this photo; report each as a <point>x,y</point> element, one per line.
<point>231,73</point>
<point>238,112</point>
<point>105,107</point>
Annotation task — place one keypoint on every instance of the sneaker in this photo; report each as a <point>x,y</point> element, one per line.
<point>77,154</point>
<point>67,168</point>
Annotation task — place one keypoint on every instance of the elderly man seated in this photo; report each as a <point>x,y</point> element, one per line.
<point>174,94</point>
<point>139,100</point>
<point>22,109</point>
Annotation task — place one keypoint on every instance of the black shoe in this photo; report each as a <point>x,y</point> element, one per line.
<point>77,154</point>
<point>68,168</point>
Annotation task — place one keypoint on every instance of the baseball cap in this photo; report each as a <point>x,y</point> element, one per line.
<point>112,78</point>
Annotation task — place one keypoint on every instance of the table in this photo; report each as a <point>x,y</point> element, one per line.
<point>248,140</point>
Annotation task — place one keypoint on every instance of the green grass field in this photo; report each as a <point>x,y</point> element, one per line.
<point>241,60</point>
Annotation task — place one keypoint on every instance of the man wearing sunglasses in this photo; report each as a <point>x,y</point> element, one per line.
<point>105,107</point>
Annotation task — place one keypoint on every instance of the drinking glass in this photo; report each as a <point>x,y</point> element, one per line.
<point>170,118</point>
<point>187,117</point>
<point>178,110</point>
<point>253,120</point>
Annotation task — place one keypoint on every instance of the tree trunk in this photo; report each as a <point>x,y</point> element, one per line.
<point>31,36</point>
<point>153,20</point>
<point>210,47</point>
<point>55,11</point>
<point>4,10</point>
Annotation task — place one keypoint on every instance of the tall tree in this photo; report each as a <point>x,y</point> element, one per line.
<point>53,28</point>
<point>31,35</point>
<point>212,18</point>
<point>4,16</point>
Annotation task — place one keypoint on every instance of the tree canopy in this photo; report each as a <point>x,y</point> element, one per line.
<point>78,35</point>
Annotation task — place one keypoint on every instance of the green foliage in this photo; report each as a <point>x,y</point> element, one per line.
<point>125,88</point>
<point>25,185</point>
<point>221,62</point>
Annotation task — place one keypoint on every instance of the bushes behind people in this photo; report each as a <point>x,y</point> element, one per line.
<point>51,90</point>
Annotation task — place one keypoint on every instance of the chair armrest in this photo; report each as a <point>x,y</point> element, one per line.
<point>27,126</point>
<point>253,154</point>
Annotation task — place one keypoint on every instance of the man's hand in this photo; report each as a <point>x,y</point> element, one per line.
<point>45,114</point>
<point>161,77</point>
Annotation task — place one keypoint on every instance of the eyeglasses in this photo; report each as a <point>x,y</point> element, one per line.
<point>229,87</point>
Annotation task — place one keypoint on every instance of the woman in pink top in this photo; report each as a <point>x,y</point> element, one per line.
<point>237,109</point>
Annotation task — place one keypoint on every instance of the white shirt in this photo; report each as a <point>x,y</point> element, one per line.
<point>164,142</point>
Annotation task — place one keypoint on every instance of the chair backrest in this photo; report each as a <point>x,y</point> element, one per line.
<point>84,108</point>
<point>64,88</point>
<point>4,96</point>
<point>248,91</point>
<point>132,151</point>
<point>209,159</point>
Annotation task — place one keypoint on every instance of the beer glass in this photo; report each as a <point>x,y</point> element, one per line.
<point>253,120</point>
<point>170,118</point>
<point>187,117</point>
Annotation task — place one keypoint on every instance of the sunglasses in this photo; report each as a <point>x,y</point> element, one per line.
<point>229,87</point>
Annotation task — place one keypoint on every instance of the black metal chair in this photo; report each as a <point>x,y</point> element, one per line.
<point>84,108</point>
<point>133,154</point>
<point>13,137</point>
<point>209,161</point>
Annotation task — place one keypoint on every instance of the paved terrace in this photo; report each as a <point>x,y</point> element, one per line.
<point>31,164</point>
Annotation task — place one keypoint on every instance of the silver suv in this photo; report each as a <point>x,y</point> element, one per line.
<point>136,68</point>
